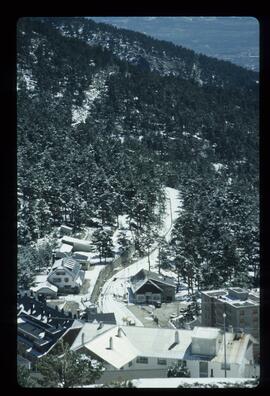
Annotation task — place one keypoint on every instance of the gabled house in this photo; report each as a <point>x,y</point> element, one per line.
<point>67,275</point>
<point>129,352</point>
<point>151,288</point>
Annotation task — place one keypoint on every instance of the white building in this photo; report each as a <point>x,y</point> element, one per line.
<point>64,250</point>
<point>78,244</point>
<point>130,352</point>
<point>46,289</point>
<point>67,275</point>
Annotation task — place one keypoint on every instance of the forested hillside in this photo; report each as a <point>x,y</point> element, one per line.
<point>103,127</point>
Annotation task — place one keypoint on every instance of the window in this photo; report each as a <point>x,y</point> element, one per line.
<point>162,362</point>
<point>60,273</point>
<point>142,359</point>
<point>140,297</point>
<point>56,280</point>
<point>130,363</point>
<point>228,366</point>
<point>66,279</point>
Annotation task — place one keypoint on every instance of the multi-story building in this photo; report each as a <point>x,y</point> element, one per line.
<point>67,275</point>
<point>129,352</point>
<point>242,308</point>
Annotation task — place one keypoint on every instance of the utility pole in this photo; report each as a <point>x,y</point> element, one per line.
<point>171,210</point>
<point>225,360</point>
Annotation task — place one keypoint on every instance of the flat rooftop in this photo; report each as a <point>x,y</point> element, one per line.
<point>235,296</point>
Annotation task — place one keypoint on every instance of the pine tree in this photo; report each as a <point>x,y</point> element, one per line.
<point>67,369</point>
<point>178,370</point>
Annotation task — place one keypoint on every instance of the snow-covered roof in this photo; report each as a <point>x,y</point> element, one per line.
<point>237,297</point>
<point>143,276</point>
<point>152,342</point>
<point>235,349</point>
<point>121,352</point>
<point>68,264</point>
<point>90,330</point>
<point>45,285</point>
<point>206,332</point>
<point>65,248</point>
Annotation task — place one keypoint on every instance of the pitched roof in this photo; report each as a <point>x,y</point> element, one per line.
<point>46,285</point>
<point>39,326</point>
<point>68,263</point>
<point>151,342</point>
<point>108,318</point>
<point>143,276</point>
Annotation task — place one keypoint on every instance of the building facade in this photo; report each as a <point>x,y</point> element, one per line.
<point>129,352</point>
<point>151,288</point>
<point>242,309</point>
<point>66,274</point>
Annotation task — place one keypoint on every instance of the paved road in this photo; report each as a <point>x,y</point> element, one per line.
<point>108,300</point>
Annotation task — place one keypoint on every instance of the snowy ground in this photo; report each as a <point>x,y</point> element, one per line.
<point>116,287</point>
<point>192,382</point>
<point>84,299</point>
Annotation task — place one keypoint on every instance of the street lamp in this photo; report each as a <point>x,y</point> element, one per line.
<point>225,363</point>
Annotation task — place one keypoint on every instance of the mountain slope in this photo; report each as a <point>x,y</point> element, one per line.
<point>99,136</point>
<point>155,55</point>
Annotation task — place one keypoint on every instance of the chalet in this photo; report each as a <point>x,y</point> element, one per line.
<point>151,288</point>
<point>129,352</point>
<point>67,275</point>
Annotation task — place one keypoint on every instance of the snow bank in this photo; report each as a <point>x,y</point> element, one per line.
<point>200,382</point>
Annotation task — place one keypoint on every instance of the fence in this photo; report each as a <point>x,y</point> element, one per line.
<point>107,272</point>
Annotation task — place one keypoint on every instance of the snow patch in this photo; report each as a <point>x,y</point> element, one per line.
<point>95,90</point>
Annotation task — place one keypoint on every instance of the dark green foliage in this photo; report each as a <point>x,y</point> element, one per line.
<point>30,261</point>
<point>178,370</point>
<point>25,378</point>
<point>68,370</point>
<point>143,131</point>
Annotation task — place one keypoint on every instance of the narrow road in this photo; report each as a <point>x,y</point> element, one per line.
<point>116,287</point>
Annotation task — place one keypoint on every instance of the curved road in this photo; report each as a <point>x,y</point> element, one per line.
<point>108,300</point>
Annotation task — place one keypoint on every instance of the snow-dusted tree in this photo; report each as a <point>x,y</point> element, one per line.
<point>43,216</point>
<point>178,370</point>
<point>102,239</point>
<point>164,254</point>
<point>24,378</point>
<point>66,369</point>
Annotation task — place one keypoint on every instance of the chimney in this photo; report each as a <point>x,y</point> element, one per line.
<point>119,331</point>
<point>100,325</point>
<point>82,338</point>
<point>110,343</point>
<point>176,337</point>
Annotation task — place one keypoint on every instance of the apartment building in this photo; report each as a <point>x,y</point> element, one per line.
<point>242,308</point>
